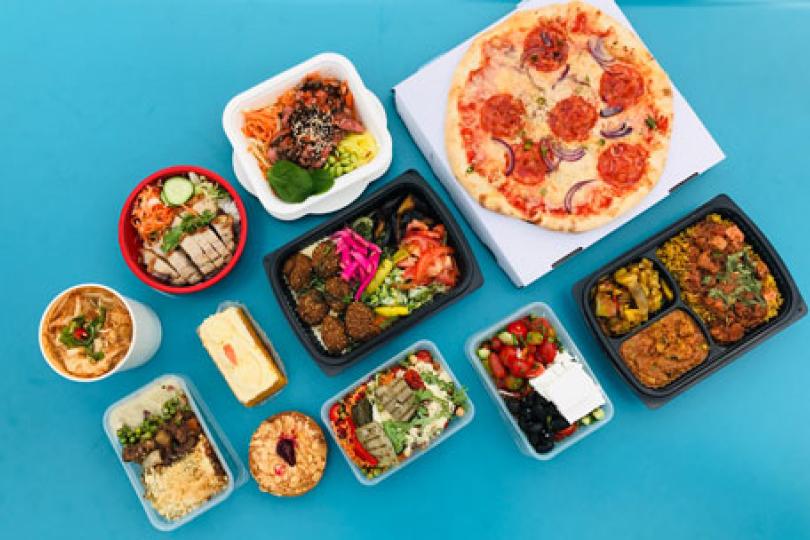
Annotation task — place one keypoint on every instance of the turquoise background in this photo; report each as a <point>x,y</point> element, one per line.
<point>95,95</point>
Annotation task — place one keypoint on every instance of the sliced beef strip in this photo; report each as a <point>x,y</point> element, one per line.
<point>180,261</point>
<point>159,268</point>
<point>208,248</point>
<point>214,240</point>
<point>223,226</point>
<point>197,255</point>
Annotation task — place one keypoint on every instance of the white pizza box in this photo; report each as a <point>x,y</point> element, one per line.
<point>421,100</point>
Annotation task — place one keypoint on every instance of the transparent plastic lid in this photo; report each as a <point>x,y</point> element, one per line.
<point>453,427</point>
<point>538,309</point>
<point>234,469</point>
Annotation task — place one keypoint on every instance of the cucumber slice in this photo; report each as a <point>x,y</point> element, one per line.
<point>598,414</point>
<point>177,190</point>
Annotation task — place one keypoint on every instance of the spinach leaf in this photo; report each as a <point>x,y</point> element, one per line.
<point>188,224</point>
<point>290,182</point>
<point>322,181</point>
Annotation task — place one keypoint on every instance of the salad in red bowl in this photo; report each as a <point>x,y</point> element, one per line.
<point>182,229</point>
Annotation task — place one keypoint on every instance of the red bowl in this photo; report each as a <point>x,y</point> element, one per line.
<point>131,244</point>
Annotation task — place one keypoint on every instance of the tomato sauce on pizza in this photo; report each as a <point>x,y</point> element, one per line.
<point>559,116</point>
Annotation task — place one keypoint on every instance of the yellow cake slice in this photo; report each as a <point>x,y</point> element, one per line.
<point>241,356</point>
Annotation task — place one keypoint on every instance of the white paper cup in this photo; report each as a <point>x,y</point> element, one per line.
<point>146,335</point>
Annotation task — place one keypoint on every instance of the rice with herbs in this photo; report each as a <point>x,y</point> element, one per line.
<point>721,278</point>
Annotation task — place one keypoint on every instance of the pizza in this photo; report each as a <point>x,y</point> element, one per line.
<point>559,116</point>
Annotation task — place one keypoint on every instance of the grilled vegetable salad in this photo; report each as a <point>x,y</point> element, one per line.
<point>359,280</point>
<point>546,389</point>
<point>396,412</point>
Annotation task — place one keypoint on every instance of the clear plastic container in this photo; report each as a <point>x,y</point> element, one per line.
<point>234,469</point>
<point>347,187</point>
<point>267,343</point>
<point>538,309</point>
<point>454,426</point>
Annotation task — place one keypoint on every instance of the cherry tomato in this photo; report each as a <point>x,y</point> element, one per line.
<point>496,344</point>
<point>563,433</point>
<point>424,356</point>
<point>496,366</point>
<point>547,352</point>
<point>518,328</point>
<point>520,367</point>
<point>536,370</point>
<point>508,354</point>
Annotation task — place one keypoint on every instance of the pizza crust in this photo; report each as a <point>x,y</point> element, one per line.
<point>623,44</point>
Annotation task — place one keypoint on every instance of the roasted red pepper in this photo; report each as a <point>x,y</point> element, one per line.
<point>364,454</point>
<point>334,412</point>
<point>414,380</point>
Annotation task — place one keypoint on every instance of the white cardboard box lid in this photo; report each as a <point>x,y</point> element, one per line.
<point>527,252</point>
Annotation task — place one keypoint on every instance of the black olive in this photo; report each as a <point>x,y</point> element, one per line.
<point>544,445</point>
<point>512,404</point>
<point>558,423</point>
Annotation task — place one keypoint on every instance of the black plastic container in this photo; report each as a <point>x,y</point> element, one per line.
<point>792,309</point>
<point>409,182</point>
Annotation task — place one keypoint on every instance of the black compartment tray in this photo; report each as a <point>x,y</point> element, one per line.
<point>793,307</point>
<point>408,182</point>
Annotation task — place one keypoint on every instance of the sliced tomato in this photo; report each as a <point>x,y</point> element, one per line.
<point>496,344</point>
<point>567,432</point>
<point>424,355</point>
<point>547,351</point>
<point>536,370</point>
<point>508,355</point>
<point>496,366</point>
<point>518,328</point>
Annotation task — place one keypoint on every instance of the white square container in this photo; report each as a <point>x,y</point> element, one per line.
<point>234,469</point>
<point>454,426</point>
<point>347,187</point>
<point>538,309</point>
<point>421,101</point>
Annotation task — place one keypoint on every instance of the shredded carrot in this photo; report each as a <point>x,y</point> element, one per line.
<point>149,215</point>
<point>260,124</point>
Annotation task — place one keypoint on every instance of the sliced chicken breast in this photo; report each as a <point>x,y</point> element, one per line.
<point>197,255</point>
<point>223,225</point>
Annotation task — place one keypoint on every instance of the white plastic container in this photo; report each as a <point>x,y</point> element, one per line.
<point>454,426</point>
<point>147,334</point>
<point>348,186</point>
<point>538,309</point>
<point>234,469</point>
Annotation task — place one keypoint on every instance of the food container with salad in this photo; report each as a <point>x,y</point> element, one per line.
<point>310,139</point>
<point>689,300</point>
<point>393,415</point>
<point>372,271</point>
<point>182,229</point>
<point>541,383</point>
<point>176,457</point>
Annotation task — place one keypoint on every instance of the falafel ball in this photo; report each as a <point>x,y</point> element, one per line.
<point>312,308</point>
<point>325,259</point>
<point>337,292</point>
<point>298,271</point>
<point>360,322</point>
<point>333,334</point>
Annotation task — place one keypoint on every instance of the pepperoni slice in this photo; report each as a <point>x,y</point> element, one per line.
<point>622,164</point>
<point>502,115</point>
<point>546,48</point>
<point>572,119</point>
<point>621,86</point>
<point>530,168</point>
